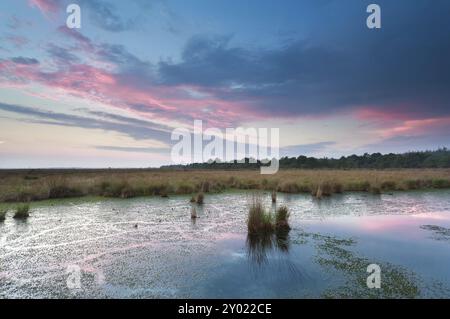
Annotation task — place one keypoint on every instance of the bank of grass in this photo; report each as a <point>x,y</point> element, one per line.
<point>26,186</point>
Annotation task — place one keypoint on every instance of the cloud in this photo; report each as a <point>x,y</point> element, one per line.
<point>24,60</point>
<point>388,70</point>
<point>133,149</point>
<point>46,6</point>
<point>105,16</point>
<point>407,143</point>
<point>102,14</point>
<point>17,41</point>
<point>61,55</point>
<point>139,130</point>
<point>305,149</point>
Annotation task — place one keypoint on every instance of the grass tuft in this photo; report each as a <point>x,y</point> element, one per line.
<point>200,198</point>
<point>22,212</point>
<point>194,213</point>
<point>259,221</point>
<point>282,218</point>
<point>3,214</point>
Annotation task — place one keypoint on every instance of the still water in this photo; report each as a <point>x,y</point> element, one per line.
<point>150,248</point>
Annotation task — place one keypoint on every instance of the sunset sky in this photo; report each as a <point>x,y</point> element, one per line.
<point>110,94</point>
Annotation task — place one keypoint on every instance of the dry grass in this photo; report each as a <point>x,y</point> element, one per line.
<point>24,186</point>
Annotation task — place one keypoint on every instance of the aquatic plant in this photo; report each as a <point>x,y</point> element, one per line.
<point>336,253</point>
<point>274,196</point>
<point>22,212</point>
<point>440,233</point>
<point>3,214</point>
<point>200,198</point>
<point>282,218</point>
<point>194,213</point>
<point>259,221</point>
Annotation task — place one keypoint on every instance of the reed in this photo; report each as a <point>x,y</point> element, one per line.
<point>22,212</point>
<point>259,221</point>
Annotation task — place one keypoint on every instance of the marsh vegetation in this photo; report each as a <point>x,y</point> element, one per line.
<point>32,185</point>
<point>22,212</point>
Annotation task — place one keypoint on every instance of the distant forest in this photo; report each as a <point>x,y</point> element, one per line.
<point>426,159</point>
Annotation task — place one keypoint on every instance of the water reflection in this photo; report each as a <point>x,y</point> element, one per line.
<point>259,246</point>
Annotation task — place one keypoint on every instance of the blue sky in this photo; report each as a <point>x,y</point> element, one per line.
<point>110,93</point>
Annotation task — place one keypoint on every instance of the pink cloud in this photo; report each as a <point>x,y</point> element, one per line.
<point>45,6</point>
<point>98,85</point>
<point>398,122</point>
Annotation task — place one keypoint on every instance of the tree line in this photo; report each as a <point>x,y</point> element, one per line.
<point>424,159</point>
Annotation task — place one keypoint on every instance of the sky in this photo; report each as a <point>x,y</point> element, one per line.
<point>111,93</point>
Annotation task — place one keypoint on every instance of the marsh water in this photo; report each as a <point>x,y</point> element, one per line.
<point>150,248</point>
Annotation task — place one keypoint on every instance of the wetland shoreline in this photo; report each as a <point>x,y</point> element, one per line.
<point>35,185</point>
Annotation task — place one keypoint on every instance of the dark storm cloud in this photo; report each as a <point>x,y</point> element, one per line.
<point>404,65</point>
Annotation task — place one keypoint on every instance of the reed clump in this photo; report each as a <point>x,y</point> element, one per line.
<point>22,212</point>
<point>194,213</point>
<point>3,214</point>
<point>260,221</point>
<point>200,198</point>
<point>282,218</point>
